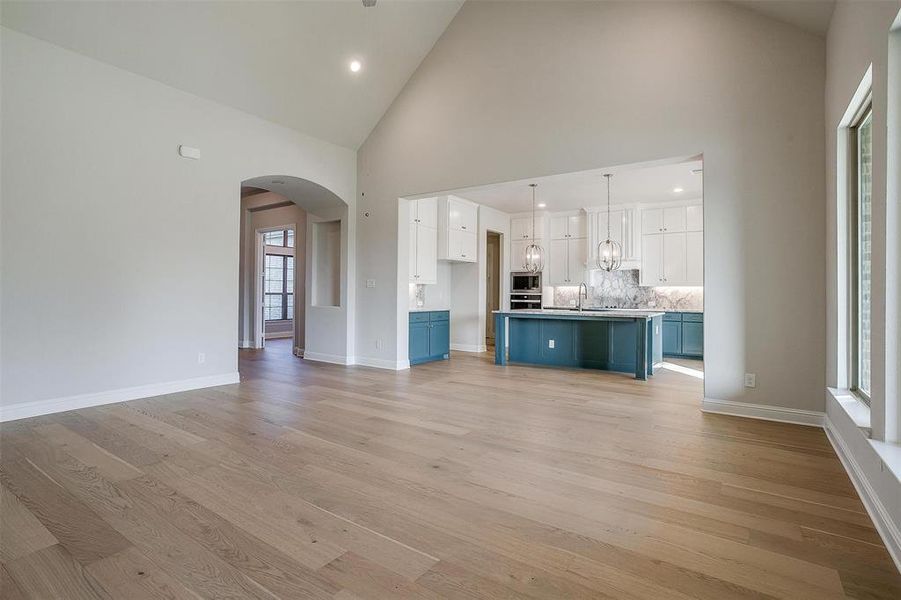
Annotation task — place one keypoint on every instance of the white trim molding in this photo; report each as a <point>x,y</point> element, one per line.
<point>245,344</point>
<point>469,347</point>
<point>23,410</point>
<point>885,524</point>
<point>335,359</point>
<point>781,414</point>
<point>382,363</point>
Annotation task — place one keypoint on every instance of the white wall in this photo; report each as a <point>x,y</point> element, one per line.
<point>141,271</point>
<point>491,103</point>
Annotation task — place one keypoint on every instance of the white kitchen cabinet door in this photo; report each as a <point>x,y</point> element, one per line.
<point>414,249</point>
<point>674,219</point>
<point>518,254</point>
<point>462,215</point>
<point>559,228</point>
<point>577,255</point>
<point>413,207</point>
<point>427,245</point>
<point>674,259</point>
<point>427,212</point>
<point>463,245</point>
<point>558,263</point>
<point>694,267</point>
<point>521,228</point>
<point>652,220</point>
<point>694,218</point>
<point>651,273</point>
<point>577,226</point>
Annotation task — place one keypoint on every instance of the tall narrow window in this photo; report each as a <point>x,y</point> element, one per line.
<point>278,302</point>
<point>861,213</point>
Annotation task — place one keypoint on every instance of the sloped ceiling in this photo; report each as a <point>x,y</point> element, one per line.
<point>810,15</point>
<point>283,61</point>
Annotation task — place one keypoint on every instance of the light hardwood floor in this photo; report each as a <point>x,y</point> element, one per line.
<point>456,479</point>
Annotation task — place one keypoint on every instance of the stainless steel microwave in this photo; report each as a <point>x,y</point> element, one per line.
<point>525,282</point>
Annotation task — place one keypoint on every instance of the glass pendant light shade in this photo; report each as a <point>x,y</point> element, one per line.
<point>610,253</point>
<point>534,259</point>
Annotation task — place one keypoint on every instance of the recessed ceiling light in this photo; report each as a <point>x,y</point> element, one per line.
<point>678,190</point>
<point>355,66</point>
<point>541,205</point>
<point>278,182</point>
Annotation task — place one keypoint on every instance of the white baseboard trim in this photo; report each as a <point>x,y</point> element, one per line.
<point>882,519</point>
<point>469,347</point>
<point>761,411</point>
<point>335,359</point>
<point>383,363</point>
<point>23,410</point>
<point>245,344</point>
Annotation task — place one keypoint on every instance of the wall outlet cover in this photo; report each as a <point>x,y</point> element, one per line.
<point>550,343</point>
<point>750,380</point>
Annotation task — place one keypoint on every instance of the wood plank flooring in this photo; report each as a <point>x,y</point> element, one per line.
<point>456,479</point>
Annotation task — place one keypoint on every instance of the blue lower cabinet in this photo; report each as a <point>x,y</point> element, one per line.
<point>683,335</point>
<point>672,337</point>
<point>693,339</point>
<point>429,336</point>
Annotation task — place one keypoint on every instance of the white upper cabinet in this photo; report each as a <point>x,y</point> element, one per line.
<point>458,222</point>
<point>566,262</point>
<point>424,241</point>
<point>462,215</point>
<point>672,246</point>
<point>521,228</point>
<point>663,220</point>
<point>694,252</point>
<point>694,218</point>
<point>564,227</point>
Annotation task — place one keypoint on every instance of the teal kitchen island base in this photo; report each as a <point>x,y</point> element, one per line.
<point>609,340</point>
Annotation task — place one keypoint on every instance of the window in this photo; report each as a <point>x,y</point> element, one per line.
<point>861,219</point>
<point>278,301</point>
<point>284,238</point>
<point>279,293</point>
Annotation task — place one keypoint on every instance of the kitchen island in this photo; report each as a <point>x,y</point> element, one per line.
<point>611,340</point>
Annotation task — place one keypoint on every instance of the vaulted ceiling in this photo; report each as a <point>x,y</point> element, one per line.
<point>287,62</point>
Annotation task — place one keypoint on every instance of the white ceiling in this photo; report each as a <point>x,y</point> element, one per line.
<point>284,61</point>
<point>809,15</point>
<point>649,184</point>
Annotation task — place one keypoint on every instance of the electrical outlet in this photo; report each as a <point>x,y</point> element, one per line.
<point>550,343</point>
<point>750,380</point>
<point>201,358</point>
<point>378,344</point>
<point>370,283</point>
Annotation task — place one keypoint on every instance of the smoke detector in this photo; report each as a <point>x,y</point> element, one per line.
<point>369,3</point>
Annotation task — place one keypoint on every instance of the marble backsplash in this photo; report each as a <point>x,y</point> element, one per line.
<point>620,289</point>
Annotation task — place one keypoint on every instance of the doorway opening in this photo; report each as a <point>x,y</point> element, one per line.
<point>273,247</point>
<point>493,275</point>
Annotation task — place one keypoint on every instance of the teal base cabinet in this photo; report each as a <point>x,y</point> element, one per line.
<point>624,344</point>
<point>429,336</point>
<point>683,335</point>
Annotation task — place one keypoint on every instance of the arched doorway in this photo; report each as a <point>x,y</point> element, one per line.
<point>294,231</point>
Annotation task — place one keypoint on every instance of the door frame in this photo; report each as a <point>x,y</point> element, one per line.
<point>259,329</point>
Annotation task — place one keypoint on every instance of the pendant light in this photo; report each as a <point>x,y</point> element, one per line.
<point>534,259</point>
<point>610,253</point>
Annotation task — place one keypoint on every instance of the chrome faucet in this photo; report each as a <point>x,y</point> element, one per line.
<point>581,286</point>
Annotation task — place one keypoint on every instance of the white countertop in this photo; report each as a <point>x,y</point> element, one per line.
<point>428,309</point>
<point>629,313</point>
